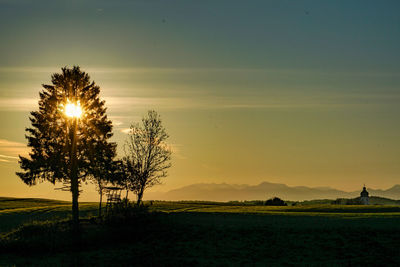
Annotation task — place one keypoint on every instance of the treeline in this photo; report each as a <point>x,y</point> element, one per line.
<point>275,201</point>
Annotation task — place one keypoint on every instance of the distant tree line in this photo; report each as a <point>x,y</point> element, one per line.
<point>346,201</point>
<point>275,201</point>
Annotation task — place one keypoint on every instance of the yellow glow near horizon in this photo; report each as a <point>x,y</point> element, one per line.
<point>73,110</point>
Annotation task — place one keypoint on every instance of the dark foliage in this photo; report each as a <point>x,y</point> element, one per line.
<point>276,201</point>
<point>346,201</point>
<point>64,149</point>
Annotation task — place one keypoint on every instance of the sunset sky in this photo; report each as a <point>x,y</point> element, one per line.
<point>295,92</point>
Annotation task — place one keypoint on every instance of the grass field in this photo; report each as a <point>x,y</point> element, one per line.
<point>203,233</point>
<point>311,210</point>
<point>17,211</point>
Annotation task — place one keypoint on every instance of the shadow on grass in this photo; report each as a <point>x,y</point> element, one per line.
<point>57,235</point>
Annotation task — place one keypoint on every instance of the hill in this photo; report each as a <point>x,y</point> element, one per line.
<point>231,192</point>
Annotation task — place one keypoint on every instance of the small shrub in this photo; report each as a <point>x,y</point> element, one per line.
<point>125,212</point>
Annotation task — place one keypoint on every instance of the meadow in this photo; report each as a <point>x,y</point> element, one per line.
<point>15,212</point>
<point>36,232</point>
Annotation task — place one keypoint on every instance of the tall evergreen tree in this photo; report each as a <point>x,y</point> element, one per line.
<point>69,136</point>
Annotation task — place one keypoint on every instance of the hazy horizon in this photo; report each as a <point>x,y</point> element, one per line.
<point>157,193</point>
<point>301,93</point>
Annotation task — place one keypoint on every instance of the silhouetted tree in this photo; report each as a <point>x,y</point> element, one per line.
<point>104,168</point>
<point>276,201</point>
<point>147,155</point>
<point>126,176</point>
<point>64,148</point>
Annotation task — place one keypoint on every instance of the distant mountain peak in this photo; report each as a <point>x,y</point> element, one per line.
<point>395,187</point>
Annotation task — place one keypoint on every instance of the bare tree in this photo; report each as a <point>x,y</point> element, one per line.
<point>147,155</point>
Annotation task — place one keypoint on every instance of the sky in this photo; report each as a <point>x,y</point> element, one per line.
<point>294,92</point>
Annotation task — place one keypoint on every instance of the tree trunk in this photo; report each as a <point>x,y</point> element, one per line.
<point>75,204</point>
<point>74,181</point>
<point>139,197</point>
<point>126,198</point>
<point>101,197</point>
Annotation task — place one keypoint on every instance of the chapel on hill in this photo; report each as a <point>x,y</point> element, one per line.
<point>364,196</point>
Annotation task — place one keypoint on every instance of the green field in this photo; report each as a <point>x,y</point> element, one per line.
<point>310,210</point>
<point>17,211</point>
<point>202,233</point>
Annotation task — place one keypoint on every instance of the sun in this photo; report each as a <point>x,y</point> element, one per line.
<point>73,110</point>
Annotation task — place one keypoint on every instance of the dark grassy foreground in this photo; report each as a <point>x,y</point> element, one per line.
<point>207,234</point>
<point>17,211</point>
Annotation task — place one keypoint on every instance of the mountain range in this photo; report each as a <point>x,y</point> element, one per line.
<point>231,192</point>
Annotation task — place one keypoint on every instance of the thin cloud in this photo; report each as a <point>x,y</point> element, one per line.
<point>7,143</point>
<point>127,104</point>
<point>18,104</point>
<point>10,150</point>
<point>29,69</point>
<point>8,157</point>
<point>121,104</point>
<point>5,158</point>
<point>128,70</point>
